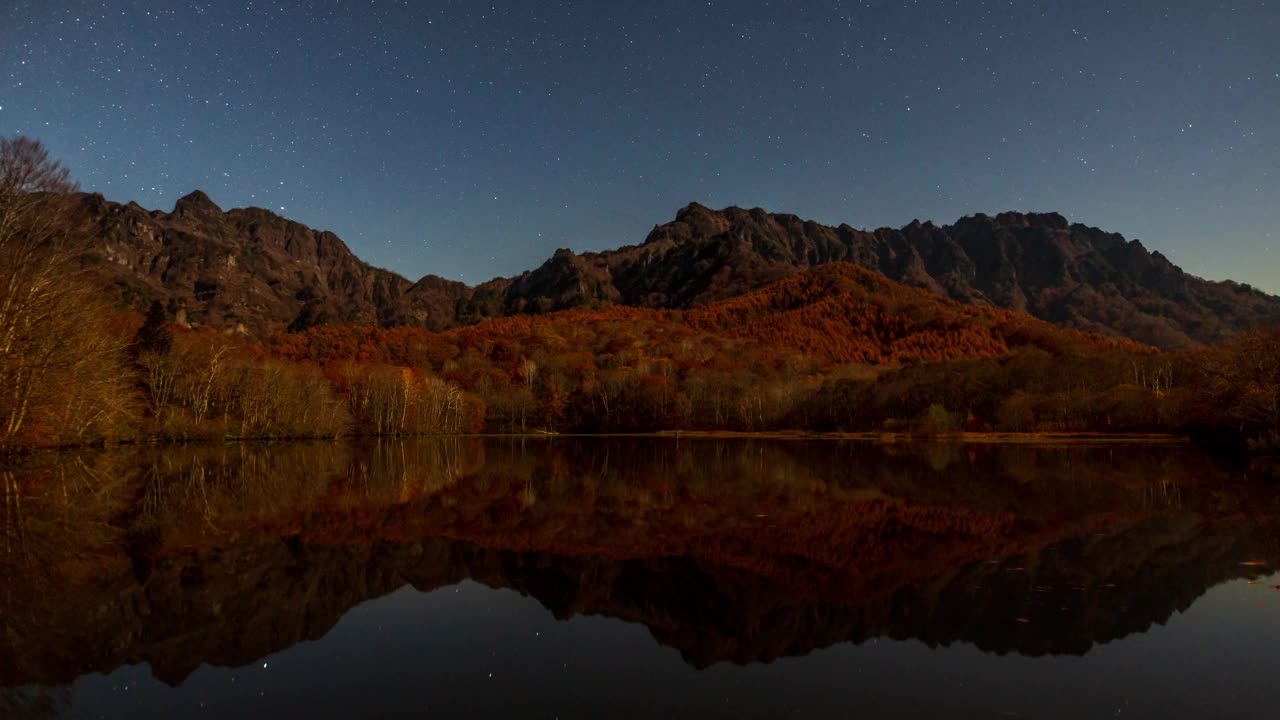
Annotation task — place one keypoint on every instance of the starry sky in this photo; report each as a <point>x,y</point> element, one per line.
<point>472,139</point>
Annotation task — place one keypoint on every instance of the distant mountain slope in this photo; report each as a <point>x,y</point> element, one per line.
<point>845,313</point>
<point>252,270</point>
<point>835,314</point>
<point>1071,275</point>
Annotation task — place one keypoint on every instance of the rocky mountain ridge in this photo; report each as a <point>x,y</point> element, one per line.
<point>249,270</point>
<point>254,271</point>
<point>1069,274</point>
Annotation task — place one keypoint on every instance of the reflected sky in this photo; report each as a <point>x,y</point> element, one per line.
<point>472,650</point>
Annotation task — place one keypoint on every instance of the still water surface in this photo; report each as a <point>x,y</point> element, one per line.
<point>638,578</point>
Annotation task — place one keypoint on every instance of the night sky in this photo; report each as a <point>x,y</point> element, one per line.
<point>471,139</point>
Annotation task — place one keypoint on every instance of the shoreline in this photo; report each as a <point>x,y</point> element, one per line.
<point>889,438</point>
<point>880,438</point>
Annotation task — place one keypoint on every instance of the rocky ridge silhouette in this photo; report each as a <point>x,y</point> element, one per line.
<point>253,271</point>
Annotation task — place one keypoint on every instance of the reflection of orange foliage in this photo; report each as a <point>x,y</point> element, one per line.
<point>765,530</point>
<point>796,520</point>
<point>843,550</point>
<point>811,535</point>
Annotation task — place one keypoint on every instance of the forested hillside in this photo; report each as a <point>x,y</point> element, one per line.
<point>834,347</point>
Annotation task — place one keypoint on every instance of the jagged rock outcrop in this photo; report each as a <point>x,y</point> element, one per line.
<point>249,269</point>
<point>1068,274</point>
<point>252,270</point>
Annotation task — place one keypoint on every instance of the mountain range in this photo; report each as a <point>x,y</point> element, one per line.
<point>252,271</point>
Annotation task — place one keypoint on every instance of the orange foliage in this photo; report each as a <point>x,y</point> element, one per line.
<point>836,314</point>
<point>737,363</point>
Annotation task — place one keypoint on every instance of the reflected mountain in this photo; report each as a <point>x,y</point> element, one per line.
<point>738,551</point>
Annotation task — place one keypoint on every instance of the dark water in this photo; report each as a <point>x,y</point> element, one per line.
<point>638,578</point>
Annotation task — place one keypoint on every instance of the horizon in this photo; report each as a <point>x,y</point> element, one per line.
<point>471,142</point>
<point>577,251</point>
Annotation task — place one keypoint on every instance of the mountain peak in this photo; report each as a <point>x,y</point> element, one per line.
<point>1051,220</point>
<point>1070,274</point>
<point>195,202</point>
<point>692,210</point>
<point>1033,262</point>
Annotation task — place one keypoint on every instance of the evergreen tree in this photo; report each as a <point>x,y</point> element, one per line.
<point>154,336</point>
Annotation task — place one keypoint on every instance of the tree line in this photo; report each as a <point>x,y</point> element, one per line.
<point>74,370</point>
<point>839,348</point>
<point>589,372</point>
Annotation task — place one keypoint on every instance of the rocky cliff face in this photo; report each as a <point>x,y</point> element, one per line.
<point>252,270</point>
<point>249,270</point>
<point>1069,274</point>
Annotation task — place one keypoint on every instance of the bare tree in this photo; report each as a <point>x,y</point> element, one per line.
<point>61,372</point>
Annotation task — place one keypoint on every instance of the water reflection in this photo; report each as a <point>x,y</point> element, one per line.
<point>736,551</point>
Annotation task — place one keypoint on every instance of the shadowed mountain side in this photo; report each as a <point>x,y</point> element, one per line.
<point>226,555</point>
<point>1069,274</point>
<point>251,270</point>
<point>835,314</point>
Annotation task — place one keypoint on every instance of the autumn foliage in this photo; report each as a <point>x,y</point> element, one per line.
<point>838,347</point>
<point>835,348</point>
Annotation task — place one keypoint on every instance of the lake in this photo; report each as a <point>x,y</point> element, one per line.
<point>638,577</point>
